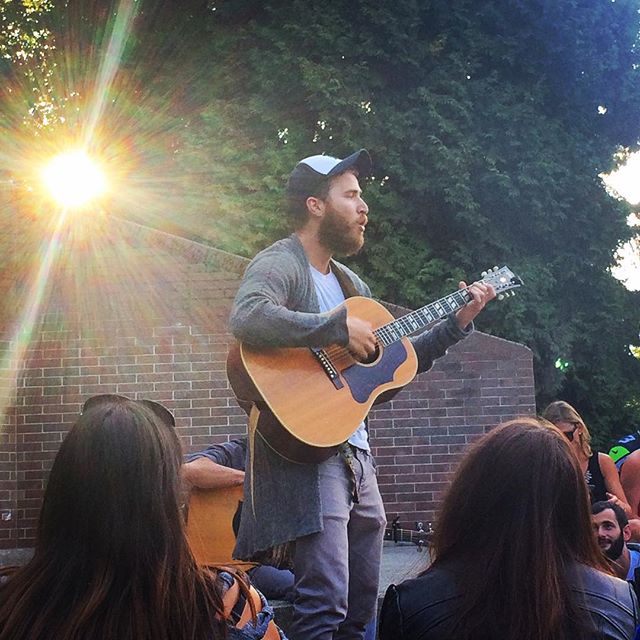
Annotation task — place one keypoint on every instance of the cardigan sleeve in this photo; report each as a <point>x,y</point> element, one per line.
<point>431,345</point>
<point>262,314</point>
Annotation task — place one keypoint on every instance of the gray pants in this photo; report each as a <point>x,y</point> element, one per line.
<point>337,570</point>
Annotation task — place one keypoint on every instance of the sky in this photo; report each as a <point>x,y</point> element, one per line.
<point>625,183</point>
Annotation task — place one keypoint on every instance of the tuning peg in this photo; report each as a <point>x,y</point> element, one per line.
<point>501,296</point>
<point>484,274</point>
<point>495,269</point>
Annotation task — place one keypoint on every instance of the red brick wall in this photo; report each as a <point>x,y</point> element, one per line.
<point>420,435</point>
<point>144,314</point>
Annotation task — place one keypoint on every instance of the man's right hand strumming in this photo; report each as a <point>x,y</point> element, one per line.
<point>362,339</point>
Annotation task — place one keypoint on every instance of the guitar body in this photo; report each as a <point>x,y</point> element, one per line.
<point>305,414</point>
<point>210,525</point>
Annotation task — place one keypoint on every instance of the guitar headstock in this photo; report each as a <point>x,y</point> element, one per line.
<point>503,281</point>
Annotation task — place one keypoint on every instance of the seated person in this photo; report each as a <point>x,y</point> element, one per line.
<point>514,556</point>
<point>111,556</point>
<point>599,469</point>
<point>216,467</point>
<point>626,456</point>
<point>222,465</point>
<point>612,531</point>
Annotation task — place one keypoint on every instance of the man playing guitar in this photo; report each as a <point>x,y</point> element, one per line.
<point>327,518</point>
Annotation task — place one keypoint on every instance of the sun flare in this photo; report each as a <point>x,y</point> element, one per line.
<point>73,179</point>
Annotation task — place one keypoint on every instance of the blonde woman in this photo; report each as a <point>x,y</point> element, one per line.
<point>599,469</point>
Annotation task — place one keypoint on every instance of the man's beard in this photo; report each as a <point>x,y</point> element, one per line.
<point>338,236</point>
<point>615,550</point>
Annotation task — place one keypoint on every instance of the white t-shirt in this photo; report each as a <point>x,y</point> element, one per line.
<point>330,295</point>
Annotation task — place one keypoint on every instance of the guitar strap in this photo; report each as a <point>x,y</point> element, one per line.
<point>345,282</point>
<point>346,452</point>
<point>254,416</point>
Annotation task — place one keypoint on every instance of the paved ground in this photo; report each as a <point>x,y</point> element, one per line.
<point>400,560</point>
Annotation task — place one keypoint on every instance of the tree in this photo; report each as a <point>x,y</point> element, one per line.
<point>489,125</point>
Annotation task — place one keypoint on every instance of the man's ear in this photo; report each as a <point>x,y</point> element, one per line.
<point>626,533</point>
<point>315,206</point>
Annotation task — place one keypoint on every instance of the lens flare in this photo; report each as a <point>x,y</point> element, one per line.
<point>73,179</point>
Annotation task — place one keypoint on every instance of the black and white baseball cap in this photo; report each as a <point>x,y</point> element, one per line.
<point>311,172</point>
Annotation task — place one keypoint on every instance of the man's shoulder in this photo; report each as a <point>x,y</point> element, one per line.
<point>289,245</point>
<point>284,256</point>
<point>228,454</point>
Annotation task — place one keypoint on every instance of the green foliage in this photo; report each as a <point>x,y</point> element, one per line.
<point>483,124</point>
<point>25,48</point>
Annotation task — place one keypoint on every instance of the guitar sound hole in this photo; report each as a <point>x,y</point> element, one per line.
<point>372,358</point>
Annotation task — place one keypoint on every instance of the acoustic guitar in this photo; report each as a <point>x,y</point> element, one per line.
<point>312,399</point>
<point>418,536</point>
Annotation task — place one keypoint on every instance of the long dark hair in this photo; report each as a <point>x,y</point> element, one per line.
<point>111,557</point>
<point>516,517</point>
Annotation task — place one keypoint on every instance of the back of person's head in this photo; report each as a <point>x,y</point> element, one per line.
<point>618,511</point>
<point>111,557</point>
<point>561,411</point>
<point>516,516</point>
<point>115,480</point>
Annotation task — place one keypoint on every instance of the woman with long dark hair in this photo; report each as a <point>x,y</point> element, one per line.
<point>111,558</point>
<point>514,553</point>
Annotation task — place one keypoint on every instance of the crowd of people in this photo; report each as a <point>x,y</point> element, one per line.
<point>518,550</point>
<point>516,554</point>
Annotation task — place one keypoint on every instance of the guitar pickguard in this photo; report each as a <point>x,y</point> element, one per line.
<point>363,380</point>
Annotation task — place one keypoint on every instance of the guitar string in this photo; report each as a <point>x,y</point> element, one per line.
<point>386,332</point>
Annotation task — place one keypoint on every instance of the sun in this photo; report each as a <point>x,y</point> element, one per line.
<point>73,179</point>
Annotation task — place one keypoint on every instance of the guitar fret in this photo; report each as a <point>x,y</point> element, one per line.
<point>383,336</point>
<point>427,314</point>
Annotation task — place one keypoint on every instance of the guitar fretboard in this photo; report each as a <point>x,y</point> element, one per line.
<point>416,320</point>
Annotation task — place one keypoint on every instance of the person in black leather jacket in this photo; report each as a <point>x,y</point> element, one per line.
<point>515,557</point>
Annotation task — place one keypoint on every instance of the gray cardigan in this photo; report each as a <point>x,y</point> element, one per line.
<point>276,306</point>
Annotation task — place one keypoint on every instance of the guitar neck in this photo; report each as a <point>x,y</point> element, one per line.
<point>408,535</point>
<point>416,320</point>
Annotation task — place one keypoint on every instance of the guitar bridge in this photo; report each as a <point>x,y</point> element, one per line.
<point>327,367</point>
